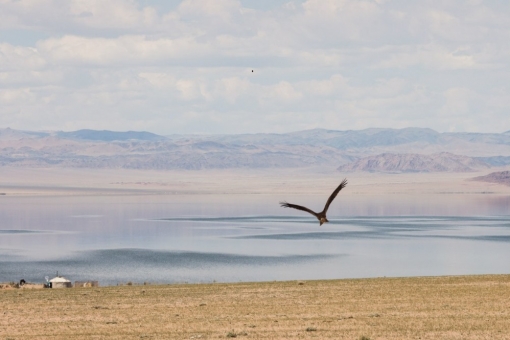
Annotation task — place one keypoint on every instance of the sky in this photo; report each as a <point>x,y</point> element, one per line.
<point>253,66</point>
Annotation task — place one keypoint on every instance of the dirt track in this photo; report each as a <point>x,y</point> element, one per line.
<point>465,307</point>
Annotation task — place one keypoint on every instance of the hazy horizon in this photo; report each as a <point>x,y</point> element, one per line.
<point>251,133</point>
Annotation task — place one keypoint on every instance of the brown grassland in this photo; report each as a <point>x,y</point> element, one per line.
<point>457,307</point>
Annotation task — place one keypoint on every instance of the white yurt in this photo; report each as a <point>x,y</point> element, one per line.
<point>60,282</point>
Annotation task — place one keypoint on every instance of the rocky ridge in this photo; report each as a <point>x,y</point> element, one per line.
<point>439,162</point>
<point>393,150</point>
<point>501,177</point>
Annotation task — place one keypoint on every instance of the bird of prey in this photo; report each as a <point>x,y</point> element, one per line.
<point>322,215</point>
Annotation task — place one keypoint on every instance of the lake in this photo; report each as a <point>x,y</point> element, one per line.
<point>232,238</point>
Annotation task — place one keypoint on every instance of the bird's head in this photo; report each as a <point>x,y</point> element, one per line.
<point>323,220</point>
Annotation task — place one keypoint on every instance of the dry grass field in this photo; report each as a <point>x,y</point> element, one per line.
<point>462,307</point>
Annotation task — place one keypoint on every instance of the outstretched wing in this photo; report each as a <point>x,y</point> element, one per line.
<point>333,195</point>
<point>298,207</point>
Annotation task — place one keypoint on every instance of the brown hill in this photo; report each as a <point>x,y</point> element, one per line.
<point>439,162</point>
<point>311,148</point>
<point>502,177</point>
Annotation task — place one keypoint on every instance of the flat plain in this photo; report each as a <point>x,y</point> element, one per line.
<point>310,181</point>
<point>457,307</point>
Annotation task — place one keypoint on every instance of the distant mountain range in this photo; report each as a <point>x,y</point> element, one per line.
<point>108,136</point>
<point>389,150</point>
<point>439,162</point>
<point>93,135</point>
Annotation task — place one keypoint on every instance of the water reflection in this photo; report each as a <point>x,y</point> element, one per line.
<point>234,237</point>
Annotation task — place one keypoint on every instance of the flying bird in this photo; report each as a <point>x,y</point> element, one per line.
<point>322,215</point>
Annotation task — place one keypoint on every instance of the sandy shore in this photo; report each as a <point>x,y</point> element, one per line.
<point>462,307</point>
<point>33,182</point>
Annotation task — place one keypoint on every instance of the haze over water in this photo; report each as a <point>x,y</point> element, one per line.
<point>230,238</point>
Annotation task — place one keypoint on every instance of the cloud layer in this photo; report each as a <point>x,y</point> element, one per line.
<point>186,66</point>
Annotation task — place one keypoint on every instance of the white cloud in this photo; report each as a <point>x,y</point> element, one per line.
<point>9,97</point>
<point>140,50</point>
<point>118,14</point>
<point>160,80</point>
<point>458,101</point>
<point>73,15</point>
<point>284,91</point>
<point>335,85</point>
<point>234,87</point>
<point>19,58</point>
<point>216,9</point>
<point>326,63</point>
<point>431,56</point>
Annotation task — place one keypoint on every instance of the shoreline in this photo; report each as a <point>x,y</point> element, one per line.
<point>39,285</point>
<point>296,181</point>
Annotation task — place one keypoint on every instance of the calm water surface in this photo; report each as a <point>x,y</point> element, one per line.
<point>230,238</point>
